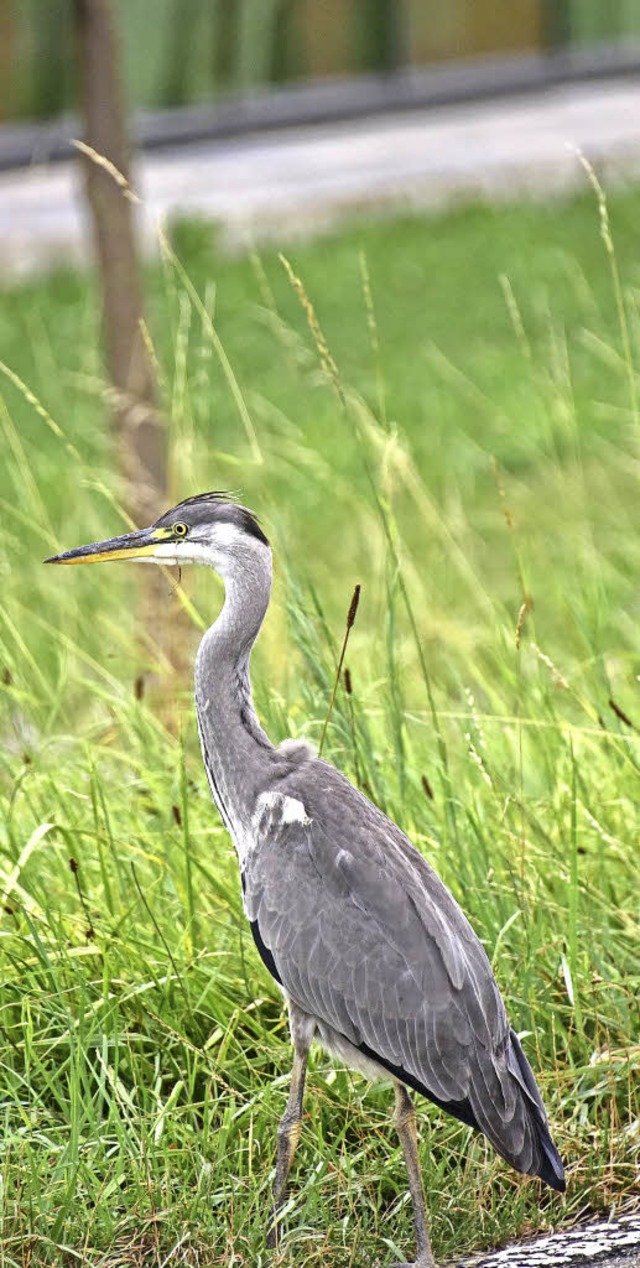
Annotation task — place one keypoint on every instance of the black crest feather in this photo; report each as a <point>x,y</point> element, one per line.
<point>214,507</point>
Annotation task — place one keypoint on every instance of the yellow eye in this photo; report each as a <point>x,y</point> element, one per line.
<point>180,530</point>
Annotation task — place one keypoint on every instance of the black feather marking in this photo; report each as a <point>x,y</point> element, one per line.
<point>263,949</point>
<point>459,1109</point>
<point>551,1169</point>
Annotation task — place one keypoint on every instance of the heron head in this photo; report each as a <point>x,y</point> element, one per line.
<point>209,529</point>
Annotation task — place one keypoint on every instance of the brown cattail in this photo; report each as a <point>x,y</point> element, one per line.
<point>175,810</point>
<point>353,608</point>
<point>351,616</point>
<point>74,866</point>
<point>138,687</point>
<point>347,681</point>
<point>427,787</point>
<point>620,713</point>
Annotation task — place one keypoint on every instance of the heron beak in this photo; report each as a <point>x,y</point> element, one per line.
<point>139,545</point>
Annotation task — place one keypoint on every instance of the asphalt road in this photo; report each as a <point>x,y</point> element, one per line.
<point>298,181</point>
<point>611,1244</point>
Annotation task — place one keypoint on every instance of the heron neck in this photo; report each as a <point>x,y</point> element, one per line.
<point>237,753</point>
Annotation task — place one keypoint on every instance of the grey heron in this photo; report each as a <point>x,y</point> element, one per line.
<point>374,956</point>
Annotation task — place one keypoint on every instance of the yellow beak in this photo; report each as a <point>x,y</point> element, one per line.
<point>139,545</point>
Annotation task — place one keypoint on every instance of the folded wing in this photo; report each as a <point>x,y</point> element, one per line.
<point>364,936</point>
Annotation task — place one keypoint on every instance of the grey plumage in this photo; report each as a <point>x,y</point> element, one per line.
<point>376,959</point>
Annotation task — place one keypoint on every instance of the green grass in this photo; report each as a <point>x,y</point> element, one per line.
<point>477,472</point>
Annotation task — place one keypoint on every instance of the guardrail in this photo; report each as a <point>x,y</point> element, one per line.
<point>330,101</point>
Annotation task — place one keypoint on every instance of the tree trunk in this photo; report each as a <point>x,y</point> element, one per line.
<point>139,430</point>
<point>7,56</point>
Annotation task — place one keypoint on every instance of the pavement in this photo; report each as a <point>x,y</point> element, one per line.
<point>300,181</point>
<point>611,1244</point>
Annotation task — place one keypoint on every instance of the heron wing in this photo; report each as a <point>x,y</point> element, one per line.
<point>365,937</point>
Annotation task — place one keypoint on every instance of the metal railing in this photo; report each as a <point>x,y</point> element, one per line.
<point>216,68</point>
<point>192,52</point>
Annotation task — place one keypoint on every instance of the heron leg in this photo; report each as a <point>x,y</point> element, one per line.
<point>405,1121</point>
<point>302,1029</point>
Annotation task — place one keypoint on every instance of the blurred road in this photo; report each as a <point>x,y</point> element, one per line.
<point>277,185</point>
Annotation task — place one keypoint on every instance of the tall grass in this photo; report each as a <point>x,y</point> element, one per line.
<point>492,712</point>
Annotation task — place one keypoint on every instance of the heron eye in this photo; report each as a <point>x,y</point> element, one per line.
<point>180,530</point>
